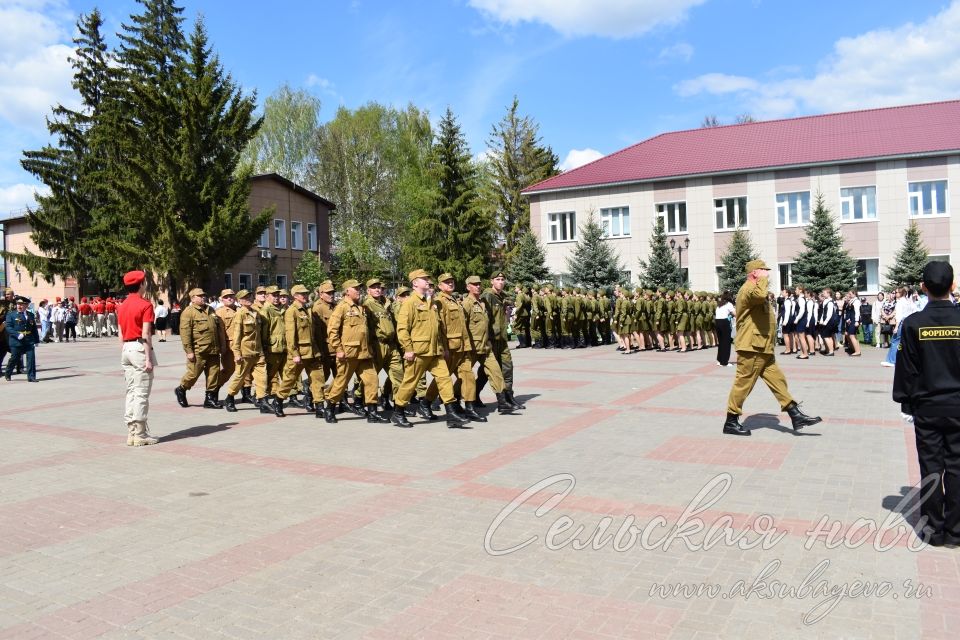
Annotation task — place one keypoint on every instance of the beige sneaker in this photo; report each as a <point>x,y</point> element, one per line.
<point>142,437</point>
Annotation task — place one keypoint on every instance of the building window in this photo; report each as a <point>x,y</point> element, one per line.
<point>674,216</point>
<point>282,281</point>
<point>868,275</point>
<point>228,281</point>
<point>928,198</point>
<point>296,241</point>
<point>311,237</point>
<point>246,281</point>
<point>786,275</point>
<point>264,241</point>
<point>793,209</point>
<point>938,258</point>
<point>615,222</point>
<point>261,279</point>
<point>858,203</point>
<point>279,234</point>
<point>563,226</point>
<point>718,275</point>
<point>731,213</point>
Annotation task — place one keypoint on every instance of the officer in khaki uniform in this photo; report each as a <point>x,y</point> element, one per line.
<point>478,329</point>
<point>755,341</point>
<point>410,410</point>
<point>349,340</point>
<point>246,344</point>
<point>302,352</point>
<point>201,342</point>
<point>226,312</point>
<point>521,316</point>
<point>386,351</point>
<point>418,331</point>
<point>259,298</point>
<point>495,300</point>
<point>274,350</point>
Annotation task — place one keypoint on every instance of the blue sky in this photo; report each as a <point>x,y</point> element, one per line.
<point>597,75</point>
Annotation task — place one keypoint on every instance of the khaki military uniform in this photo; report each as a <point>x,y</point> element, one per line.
<point>347,335</point>
<point>496,315</point>
<point>478,328</point>
<point>227,365</point>
<point>246,345</point>
<point>521,318</point>
<point>421,389</point>
<point>453,328</point>
<point>322,311</point>
<point>201,336</point>
<point>418,331</point>
<point>386,353</point>
<point>270,366</point>
<point>754,344</point>
<point>301,344</point>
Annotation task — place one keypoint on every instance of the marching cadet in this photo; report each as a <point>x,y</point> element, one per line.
<point>226,313</point>
<point>322,311</point>
<point>349,340</point>
<point>580,319</point>
<point>246,343</point>
<point>274,350</point>
<point>302,352</point>
<point>410,410</point>
<point>538,318</point>
<point>418,331</point>
<point>660,318</point>
<point>249,393</point>
<point>603,317</point>
<point>590,309</point>
<point>201,342</point>
<point>386,353</point>
<point>521,317</point>
<point>478,330</point>
<point>494,298</point>
<point>648,310</point>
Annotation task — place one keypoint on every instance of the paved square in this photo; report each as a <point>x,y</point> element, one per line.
<point>613,507</point>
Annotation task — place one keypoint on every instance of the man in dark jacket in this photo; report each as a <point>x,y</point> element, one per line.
<point>22,337</point>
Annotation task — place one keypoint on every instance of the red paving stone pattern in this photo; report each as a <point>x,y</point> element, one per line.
<point>721,452</point>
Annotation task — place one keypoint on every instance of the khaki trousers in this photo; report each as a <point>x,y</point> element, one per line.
<point>206,363</point>
<point>750,367</point>
<point>491,369</point>
<point>364,369</point>
<point>390,360</point>
<point>241,373</point>
<point>264,375</point>
<point>459,363</point>
<point>291,378</point>
<point>413,373</point>
<point>227,366</point>
<point>139,381</point>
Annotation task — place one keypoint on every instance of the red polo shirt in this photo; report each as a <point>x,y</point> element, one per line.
<point>131,315</point>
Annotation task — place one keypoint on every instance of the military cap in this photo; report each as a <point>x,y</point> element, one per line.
<point>194,292</point>
<point>498,274</point>
<point>327,287</point>
<point>372,282</point>
<point>402,291</point>
<point>228,292</point>
<point>284,292</point>
<point>473,280</point>
<point>10,291</point>
<point>22,300</point>
<point>297,288</point>
<point>753,265</point>
<point>350,283</point>
<point>272,289</point>
<point>419,273</point>
<point>577,290</point>
<point>444,277</point>
<point>129,278</point>
<point>243,293</point>
<point>261,289</point>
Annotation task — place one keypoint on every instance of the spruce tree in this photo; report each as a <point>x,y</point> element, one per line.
<point>660,270</point>
<point>824,263</point>
<point>529,263</point>
<point>909,260</point>
<point>594,263</point>
<point>739,252</point>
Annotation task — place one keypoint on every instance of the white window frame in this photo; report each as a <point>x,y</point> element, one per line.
<point>311,237</point>
<point>879,276</point>
<point>789,266</point>
<point>785,206</point>
<point>607,218</point>
<point>296,235</point>
<point>567,220</point>
<point>723,208</point>
<point>264,241</point>
<point>663,215</point>
<point>279,234</point>
<point>911,196</point>
<point>248,277</point>
<point>849,200</point>
<point>228,280</point>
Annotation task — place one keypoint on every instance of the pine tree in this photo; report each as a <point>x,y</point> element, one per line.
<point>909,261</point>
<point>310,272</point>
<point>661,270</point>
<point>739,252</point>
<point>594,263</point>
<point>824,263</point>
<point>529,263</point>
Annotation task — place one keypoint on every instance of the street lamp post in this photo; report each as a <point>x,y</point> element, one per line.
<point>679,249</point>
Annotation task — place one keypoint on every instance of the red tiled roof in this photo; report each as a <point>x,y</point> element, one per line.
<point>835,137</point>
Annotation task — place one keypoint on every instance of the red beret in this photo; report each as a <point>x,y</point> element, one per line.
<point>134,277</point>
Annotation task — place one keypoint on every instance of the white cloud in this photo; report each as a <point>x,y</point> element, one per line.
<point>579,157</point>
<point>18,197</point>
<point>680,51</point>
<point>907,64</point>
<point>605,18</point>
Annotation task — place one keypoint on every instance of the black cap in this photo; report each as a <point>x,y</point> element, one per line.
<point>938,277</point>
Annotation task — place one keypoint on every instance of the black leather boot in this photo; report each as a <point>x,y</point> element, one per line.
<point>374,417</point>
<point>278,407</point>
<point>424,410</point>
<point>329,414</point>
<point>343,406</point>
<point>181,394</point>
<point>799,418</point>
<point>266,404</point>
<point>210,401</point>
<point>411,409</point>
<point>503,407</point>
<point>733,427</point>
<point>399,418</point>
<point>513,401</point>
<point>456,420</point>
<point>294,401</point>
<point>229,404</point>
<point>478,402</point>
<point>245,396</point>
<point>384,404</point>
<point>471,413</point>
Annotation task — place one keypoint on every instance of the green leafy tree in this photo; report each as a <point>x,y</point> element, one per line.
<point>909,260</point>
<point>739,252</point>
<point>310,271</point>
<point>660,270</point>
<point>529,263</point>
<point>359,257</point>
<point>594,263</point>
<point>286,142</point>
<point>824,263</point>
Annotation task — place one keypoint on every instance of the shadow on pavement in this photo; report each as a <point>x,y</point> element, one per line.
<point>770,421</point>
<point>909,509</point>
<point>196,432</point>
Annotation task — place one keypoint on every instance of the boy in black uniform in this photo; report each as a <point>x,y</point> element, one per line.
<point>927,385</point>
